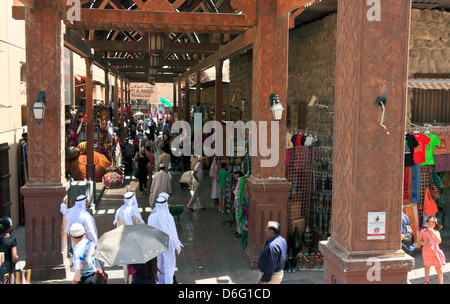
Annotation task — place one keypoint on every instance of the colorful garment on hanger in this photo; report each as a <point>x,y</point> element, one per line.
<point>419,152</point>
<point>415,187</point>
<point>291,145</point>
<point>429,149</point>
<point>410,144</point>
<point>243,211</point>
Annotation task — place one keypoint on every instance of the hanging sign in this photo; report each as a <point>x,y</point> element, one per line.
<point>376,226</point>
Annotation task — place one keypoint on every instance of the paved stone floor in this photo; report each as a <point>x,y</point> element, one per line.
<point>211,254</point>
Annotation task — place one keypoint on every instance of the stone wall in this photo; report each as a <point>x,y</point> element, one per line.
<point>241,84</point>
<point>429,44</point>
<point>312,61</point>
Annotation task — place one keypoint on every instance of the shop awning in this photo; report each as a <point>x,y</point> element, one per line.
<point>429,84</point>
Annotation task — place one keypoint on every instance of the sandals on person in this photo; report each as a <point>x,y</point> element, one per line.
<point>237,234</point>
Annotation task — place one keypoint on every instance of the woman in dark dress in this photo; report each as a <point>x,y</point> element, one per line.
<point>8,245</point>
<point>142,161</point>
<point>144,273</point>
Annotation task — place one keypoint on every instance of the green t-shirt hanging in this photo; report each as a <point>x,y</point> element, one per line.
<point>429,149</point>
<point>222,174</point>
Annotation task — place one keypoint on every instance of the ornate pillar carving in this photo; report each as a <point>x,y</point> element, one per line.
<point>372,60</point>
<point>45,242</point>
<point>268,186</point>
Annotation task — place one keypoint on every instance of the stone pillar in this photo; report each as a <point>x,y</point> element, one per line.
<point>45,241</point>
<point>268,186</point>
<point>372,60</point>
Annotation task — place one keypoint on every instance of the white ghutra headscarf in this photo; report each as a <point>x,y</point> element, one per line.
<point>128,210</point>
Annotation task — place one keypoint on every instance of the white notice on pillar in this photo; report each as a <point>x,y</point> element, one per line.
<point>376,226</point>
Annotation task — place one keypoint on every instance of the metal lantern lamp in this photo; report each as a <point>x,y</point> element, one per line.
<point>277,108</point>
<point>39,107</point>
<point>156,41</point>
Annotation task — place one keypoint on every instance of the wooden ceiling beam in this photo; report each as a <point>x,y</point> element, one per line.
<point>149,20</point>
<point>287,6</point>
<point>138,46</point>
<point>145,62</point>
<point>236,46</point>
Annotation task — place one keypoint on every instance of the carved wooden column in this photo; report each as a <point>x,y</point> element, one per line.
<point>179,108</point>
<point>187,106</point>
<point>122,107</point>
<point>90,167</point>
<point>198,87</point>
<point>219,90</point>
<point>107,99</point>
<point>267,185</point>
<point>372,60</point>
<point>174,101</point>
<point>116,102</point>
<point>45,241</point>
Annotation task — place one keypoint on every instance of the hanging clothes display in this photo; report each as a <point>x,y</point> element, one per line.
<point>426,157</point>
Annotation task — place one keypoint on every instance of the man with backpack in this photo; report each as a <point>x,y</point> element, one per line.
<point>407,234</point>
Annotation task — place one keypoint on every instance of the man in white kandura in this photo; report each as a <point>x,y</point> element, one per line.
<point>160,218</point>
<point>128,213</point>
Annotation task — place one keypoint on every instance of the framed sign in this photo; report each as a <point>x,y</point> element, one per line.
<point>376,225</point>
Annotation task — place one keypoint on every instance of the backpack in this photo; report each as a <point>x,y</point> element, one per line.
<point>409,238</point>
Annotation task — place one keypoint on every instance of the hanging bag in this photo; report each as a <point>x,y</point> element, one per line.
<point>441,254</point>
<point>429,205</point>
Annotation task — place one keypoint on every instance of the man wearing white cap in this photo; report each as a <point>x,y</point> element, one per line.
<point>83,261</point>
<point>160,218</point>
<point>198,176</point>
<point>128,213</point>
<point>161,183</point>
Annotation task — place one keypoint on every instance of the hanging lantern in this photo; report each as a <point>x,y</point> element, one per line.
<point>277,108</point>
<point>39,107</point>
<point>155,61</point>
<point>156,41</point>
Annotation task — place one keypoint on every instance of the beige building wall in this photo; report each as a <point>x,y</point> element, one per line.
<point>13,93</point>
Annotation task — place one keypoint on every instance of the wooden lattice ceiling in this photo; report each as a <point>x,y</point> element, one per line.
<point>193,30</point>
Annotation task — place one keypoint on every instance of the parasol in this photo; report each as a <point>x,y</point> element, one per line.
<point>77,166</point>
<point>166,102</point>
<point>186,179</point>
<point>131,244</point>
<point>138,114</point>
<point>112,180</point>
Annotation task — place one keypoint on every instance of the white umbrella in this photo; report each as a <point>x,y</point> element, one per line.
<point>138,114</point>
